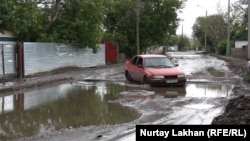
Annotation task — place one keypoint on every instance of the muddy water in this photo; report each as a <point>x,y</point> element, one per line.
<point>193,62</point>
<point>62,107</point>
<point>209,90</point>
<point>197,90</point>
<point>83,103</point>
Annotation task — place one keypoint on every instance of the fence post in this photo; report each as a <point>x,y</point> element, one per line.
<point>20,60</point>
<point>3,65</point>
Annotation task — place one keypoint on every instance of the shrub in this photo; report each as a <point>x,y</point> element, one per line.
<point>222,47</point>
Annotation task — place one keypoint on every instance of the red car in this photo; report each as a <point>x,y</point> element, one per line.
<point>154,69</point>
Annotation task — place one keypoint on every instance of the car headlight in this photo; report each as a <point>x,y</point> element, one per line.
<point>158,77</point>
<point>181,76</point>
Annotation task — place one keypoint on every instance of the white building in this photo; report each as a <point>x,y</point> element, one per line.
<point>7,38</point>
<point>240,43</point>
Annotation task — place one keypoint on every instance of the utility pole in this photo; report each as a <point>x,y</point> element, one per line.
<point>206,25</point>
<point>182,38</point>
<point>248,52</point>
<point>206,33</point>
<point>228,30</point>
<point>137,26</point>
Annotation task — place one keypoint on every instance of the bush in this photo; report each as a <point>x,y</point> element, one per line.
<point>222,47</point>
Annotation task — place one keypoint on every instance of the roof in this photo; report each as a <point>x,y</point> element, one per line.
<point>243,37</point>
<point>6,34</point>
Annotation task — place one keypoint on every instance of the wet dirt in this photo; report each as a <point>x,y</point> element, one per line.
<point>237,110</point>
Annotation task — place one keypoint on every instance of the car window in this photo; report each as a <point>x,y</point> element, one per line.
<point>159,62</point>
<point>133,61</point>
<point>140,61</point>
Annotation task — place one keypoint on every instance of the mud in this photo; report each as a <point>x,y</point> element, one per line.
<point>237,110</point>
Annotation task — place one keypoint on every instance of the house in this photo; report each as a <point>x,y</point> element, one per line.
<point>240,49</point>
<point>241,42</point>
<point>7,38</point>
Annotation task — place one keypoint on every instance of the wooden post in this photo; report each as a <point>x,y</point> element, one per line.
<point>3,65</point>
<point>20,60</point>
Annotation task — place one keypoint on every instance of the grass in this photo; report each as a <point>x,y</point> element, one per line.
<point>246,78</point>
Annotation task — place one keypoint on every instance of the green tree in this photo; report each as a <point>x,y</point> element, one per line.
<point>157,20</point>
<point>79,22</point>
<point>239,20</point>
<point>222,47</point>
<point>182,41</point>
<point>23,19</point>
<point>71,21</point>
<point>214,27</point>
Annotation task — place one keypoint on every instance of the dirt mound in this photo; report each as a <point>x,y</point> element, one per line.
<point>238,109</point>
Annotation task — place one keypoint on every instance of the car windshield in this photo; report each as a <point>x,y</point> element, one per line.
<point>162,62</point>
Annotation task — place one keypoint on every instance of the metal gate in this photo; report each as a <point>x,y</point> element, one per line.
<point>112,52</point>
<point>7,60</point>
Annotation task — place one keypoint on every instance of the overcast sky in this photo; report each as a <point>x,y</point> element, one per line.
<point>198,8</point>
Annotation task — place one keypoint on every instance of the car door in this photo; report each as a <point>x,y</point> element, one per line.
<point>132,67</point>
<point>139,69</point>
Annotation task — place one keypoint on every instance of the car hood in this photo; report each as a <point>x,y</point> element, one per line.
<point>165,71</point>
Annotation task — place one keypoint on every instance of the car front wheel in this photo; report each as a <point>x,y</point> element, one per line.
<point>127,75</point>
<point>145,80</point>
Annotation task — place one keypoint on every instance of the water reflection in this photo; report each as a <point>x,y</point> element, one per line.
<point>85,103</point>
<point>190,90</point>
<point>193,62</point>
<point>133,92</point>
<point>60,107</point>
<point>208,90</point>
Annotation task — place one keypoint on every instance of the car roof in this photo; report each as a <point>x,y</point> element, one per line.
<point>151,55</point>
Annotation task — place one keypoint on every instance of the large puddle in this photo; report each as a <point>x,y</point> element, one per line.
<point>193,62</point>
<point>62,107</point>
<point>84,103</point>
<point>190,90</point>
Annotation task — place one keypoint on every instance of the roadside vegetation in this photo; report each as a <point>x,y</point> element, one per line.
<point>89,21</point>
<point>216,27</point>
<point>143,23</point>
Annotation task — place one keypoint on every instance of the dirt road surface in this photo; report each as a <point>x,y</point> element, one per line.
<point>237,110</point>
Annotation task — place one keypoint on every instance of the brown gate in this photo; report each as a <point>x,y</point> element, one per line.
<point>20,60</point>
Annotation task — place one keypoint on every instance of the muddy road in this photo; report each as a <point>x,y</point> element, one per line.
<point>99,104</point>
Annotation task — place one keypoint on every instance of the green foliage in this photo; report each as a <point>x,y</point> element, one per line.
<point>23,19</point>
<point>214,27</point>
<point>239,19</point>
<point>217,26</point>
<point>181,40</point>
<point>222,47</point>
<point>89,21</point>
<point>77,21</point>
<point>121,22</point>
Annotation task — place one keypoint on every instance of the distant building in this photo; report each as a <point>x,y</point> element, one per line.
<point>172,48</point>
<point>241,42</point>
<point>7,38</point>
